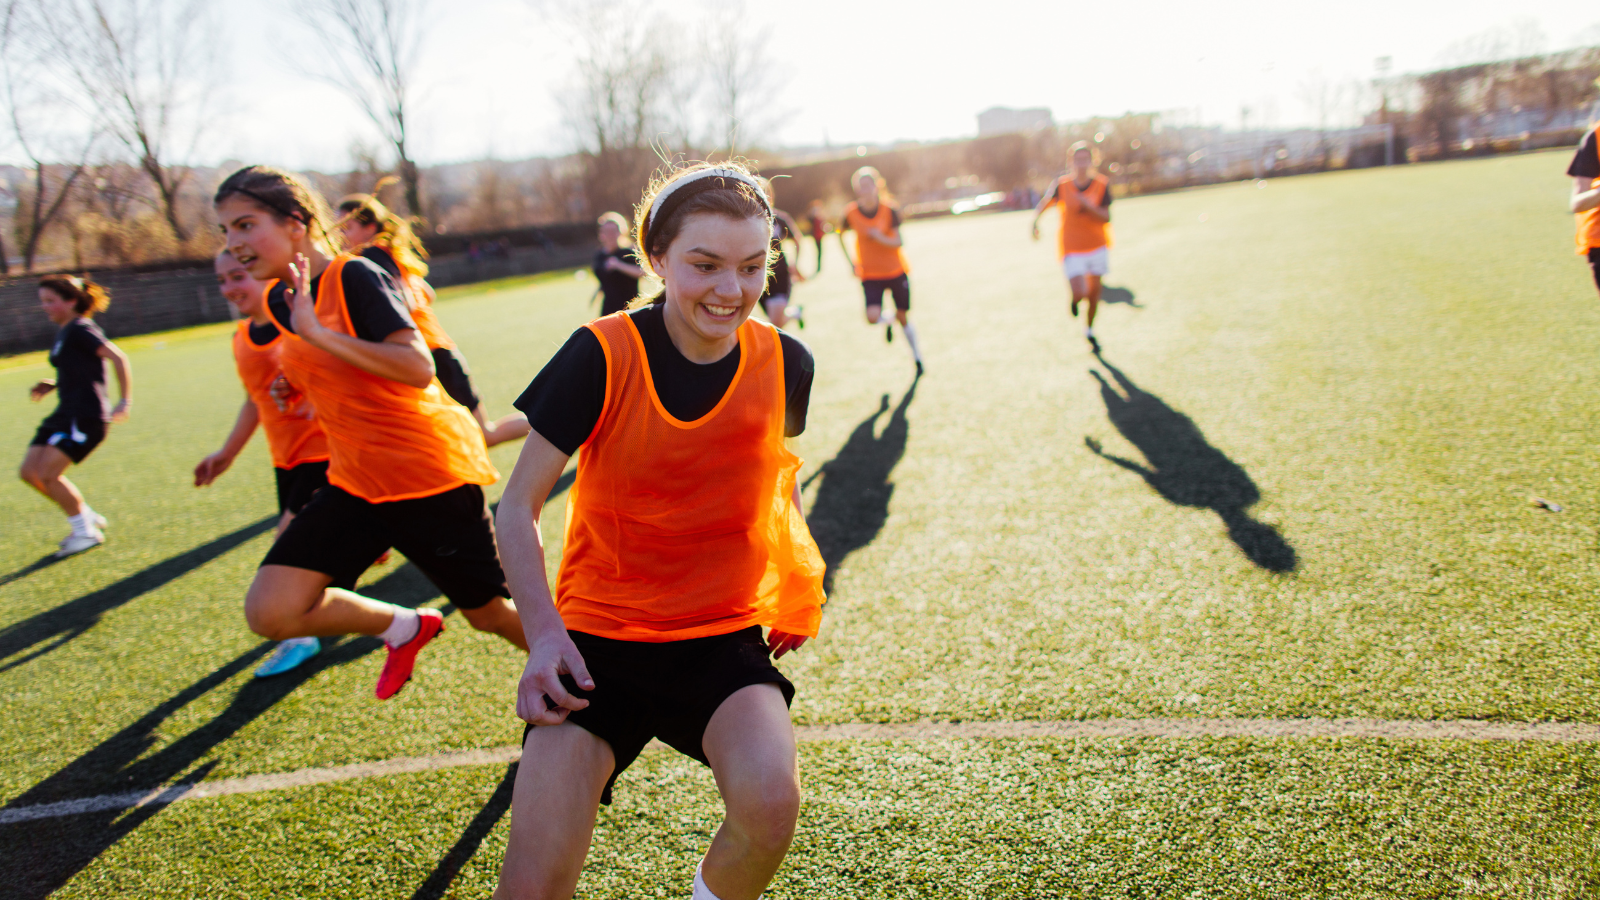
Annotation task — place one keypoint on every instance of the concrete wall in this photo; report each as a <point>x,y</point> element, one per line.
<point>159,301</point>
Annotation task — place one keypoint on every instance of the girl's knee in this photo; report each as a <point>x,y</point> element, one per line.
<point>767,813</point>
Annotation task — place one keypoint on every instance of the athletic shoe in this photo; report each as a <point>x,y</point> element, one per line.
<point>402,659</point>
<point>77,543</point>
<point>100,521</point>
<point>888,334</point>
<point>797,313</point>
<point>919,368</point>
<point>289,655</point>
<point>1094,344</point>
<point>1074,307</point>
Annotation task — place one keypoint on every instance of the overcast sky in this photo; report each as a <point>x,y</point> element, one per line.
<point>873,71</point>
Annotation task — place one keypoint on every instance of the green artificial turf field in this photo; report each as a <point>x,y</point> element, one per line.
<point>1297,484</point>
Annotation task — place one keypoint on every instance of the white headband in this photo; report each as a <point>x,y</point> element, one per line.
<point>672,188</point>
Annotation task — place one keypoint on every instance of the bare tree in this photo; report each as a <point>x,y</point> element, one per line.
<point>1514,40</point>
<point>34,103</point>
<point>372,49</point>
<point>741,79</point>
<point>149,69</point>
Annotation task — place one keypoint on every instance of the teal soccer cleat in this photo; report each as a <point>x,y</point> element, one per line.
<point>288,655</point>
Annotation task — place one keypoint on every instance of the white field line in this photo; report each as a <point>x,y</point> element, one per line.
<point>1383,729</point>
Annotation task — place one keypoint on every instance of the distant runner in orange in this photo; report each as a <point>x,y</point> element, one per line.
<point>1084,197</point>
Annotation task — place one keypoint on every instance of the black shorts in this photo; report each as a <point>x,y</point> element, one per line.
<point>668,690</point>
<point>449,536</point>
<point>74,436</point>
<point>899,287</point>
<point>451,370</point>
<point>1594,264</point>
<point>297,484</point>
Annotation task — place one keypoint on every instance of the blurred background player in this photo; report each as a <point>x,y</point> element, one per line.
<point>375,233</point>
<point>879,260</point>
<point>298,447</point>
<point>1084,241</point>
<point>83,411</point>
<point>615,267</point>
<point>781,280</point>
<point>1585,172</point>
<point>684,537</point>
<point>818,223</point>
<point>406,466</point>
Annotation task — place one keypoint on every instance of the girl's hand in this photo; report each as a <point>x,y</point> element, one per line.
<point>41,390</point>
<point>302,308</point>
<point>211,467</point>
<point>284,395</point>
<point>779,642</point>
<point>1036,229</point>
<point>119,413</point>
<point>541,698</point>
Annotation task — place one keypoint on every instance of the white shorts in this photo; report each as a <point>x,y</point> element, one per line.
<point>1095,262</point>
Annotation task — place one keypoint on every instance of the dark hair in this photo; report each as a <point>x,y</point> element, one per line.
<point>85,296</point>
<point>725,197</point>
<point>394,233</point>
<point>286,196</point>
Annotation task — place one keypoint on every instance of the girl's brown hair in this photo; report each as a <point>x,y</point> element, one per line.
<point>394,233</point>
<point>85,296</point>
<point>286,196</point>
<point>734,197</point>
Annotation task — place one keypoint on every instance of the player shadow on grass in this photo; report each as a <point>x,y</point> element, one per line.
<point>1109,294</point>
<point>55,627</point>
<point>852,502</point>
<point>41,855</point>
<point>1185,469</point>
<point>456,858</point>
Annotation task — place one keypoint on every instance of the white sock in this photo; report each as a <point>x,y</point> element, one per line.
<point>83,523</point>
<point>1088,332</point>
<point>910,332</point>
<point>701,892</point>
<point>402,628</point>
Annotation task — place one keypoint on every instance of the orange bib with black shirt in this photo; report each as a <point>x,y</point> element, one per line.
<point>1081,232</point>
<point>293,436</point>
<point>1589,219</point>
<point>386,440</point>
<point>875,261</point>
<point>679,530</point>
<point>420,298</point>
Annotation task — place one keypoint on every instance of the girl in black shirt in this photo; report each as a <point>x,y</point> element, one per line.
<point>82,412</point>
<point>615,266</point>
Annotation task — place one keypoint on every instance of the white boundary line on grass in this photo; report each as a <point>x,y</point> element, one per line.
<point>1381,729</point>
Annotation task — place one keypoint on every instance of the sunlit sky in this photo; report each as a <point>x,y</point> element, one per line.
<point>868,71</point>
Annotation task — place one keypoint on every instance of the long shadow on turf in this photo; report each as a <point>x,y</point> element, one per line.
<point>439,880</point>
<point>55,627</point>
<point>1109,294</point>
<point>42,855</point>
<point>1184,468</point>
<point>852,503</point>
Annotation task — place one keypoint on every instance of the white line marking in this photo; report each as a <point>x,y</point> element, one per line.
<point>1381,729</point>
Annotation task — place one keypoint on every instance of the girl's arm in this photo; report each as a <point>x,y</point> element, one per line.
<point>1045,202</point>
<point>1583,197</point>
<point>124,372</point>
<point>217,463</point>
<point>1103,213</point>
<point>402,356</point>
<point>551,652</point>
<point>845,247</point>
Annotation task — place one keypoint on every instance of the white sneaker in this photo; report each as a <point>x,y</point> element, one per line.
<point>77,543</point>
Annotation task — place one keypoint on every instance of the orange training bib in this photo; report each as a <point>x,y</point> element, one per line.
<point>1080,232</point>
<point>874,260</point>
<point>387,440</point>
<point>1589,220</point>
<point>678,530</point>
<point>293,437</point>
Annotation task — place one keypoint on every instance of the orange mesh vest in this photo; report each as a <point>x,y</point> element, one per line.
<point>678,530</point>
<point>387,440</point>
<point>875,261</point>
<point>294,437</point>
<point>1589,220</point>
<point>419,297</point>
<point>1080,233</point>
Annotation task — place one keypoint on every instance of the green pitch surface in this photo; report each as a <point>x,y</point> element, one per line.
<point>1297,484</point>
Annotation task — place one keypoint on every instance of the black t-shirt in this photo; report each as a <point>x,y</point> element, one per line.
<point>617,288</point>
<point>262,335</point>
<point>80,372</point>
<point>1586,162</point>
<point>565,399</point>
<point>384,259</point>
<point>377,308</point>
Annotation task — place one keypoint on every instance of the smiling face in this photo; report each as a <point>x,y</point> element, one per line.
<point>714,272</point>
<point>265,244</point>
<point>59,309</point>
<point>246,294</point>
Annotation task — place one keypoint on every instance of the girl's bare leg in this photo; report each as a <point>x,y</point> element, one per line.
<point>44,469</point>
<point>750,745</point>
<point>563,773</point>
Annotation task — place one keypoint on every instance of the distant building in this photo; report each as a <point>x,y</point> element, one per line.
<point>1004,120</point>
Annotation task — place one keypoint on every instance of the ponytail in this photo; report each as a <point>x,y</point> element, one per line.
<point>85,296</point>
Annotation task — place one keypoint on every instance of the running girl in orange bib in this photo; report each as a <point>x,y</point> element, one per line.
<point>1585,172</point>
<point>684,538</point>
<point>406,464</point>
<point>83,413</point>
<point>375,233</point>
<point>879,261</point>
<point>298,447</point>
<point>1084,196</point>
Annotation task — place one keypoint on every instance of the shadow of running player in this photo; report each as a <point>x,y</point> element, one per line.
<point>852,502</point>
<point>1185,469</point>
<point>41,855</point>
<point>1109,294</point>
